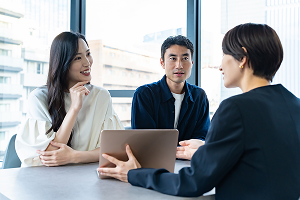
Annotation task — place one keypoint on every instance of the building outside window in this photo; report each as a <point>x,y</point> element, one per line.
<point>219,16</point>
<point>130,42</point>
<point>27,29</point>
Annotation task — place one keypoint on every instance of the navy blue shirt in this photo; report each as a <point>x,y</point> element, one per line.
<point>153,108</point>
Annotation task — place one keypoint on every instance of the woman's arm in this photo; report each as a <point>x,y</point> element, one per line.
<point>87,156</point>
<point>77,93</point>
<point>65,155</point>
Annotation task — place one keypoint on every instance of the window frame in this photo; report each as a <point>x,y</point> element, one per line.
<point>78,24</point>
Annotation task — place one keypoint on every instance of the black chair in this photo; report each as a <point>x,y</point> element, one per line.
<point>11,159</point>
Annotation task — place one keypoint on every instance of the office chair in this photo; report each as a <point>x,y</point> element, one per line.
<point>11,159</point>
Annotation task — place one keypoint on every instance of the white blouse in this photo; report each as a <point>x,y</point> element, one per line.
<point>96,114</point>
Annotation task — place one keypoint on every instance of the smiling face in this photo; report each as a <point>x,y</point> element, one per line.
<point>80,69</point>
<point>232,73</point>
<point>177,65</point>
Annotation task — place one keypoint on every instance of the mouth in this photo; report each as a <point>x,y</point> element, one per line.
<point>86,72</point>
<point>178,74</point>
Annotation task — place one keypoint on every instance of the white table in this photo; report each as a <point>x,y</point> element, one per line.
<point>74,182</point>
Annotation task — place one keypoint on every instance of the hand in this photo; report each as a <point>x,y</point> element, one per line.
<point>121,170</point>
<point>188,148</point>
<point>62,156</point>
<point>77,92</point>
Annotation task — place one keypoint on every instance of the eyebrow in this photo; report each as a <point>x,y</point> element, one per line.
<point>81,53</point>
<point>185,54</point>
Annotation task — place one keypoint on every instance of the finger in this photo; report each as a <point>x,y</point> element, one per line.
<point>46,158</point>
<point>108,170</point>
<point>80,84</point>
<point>182,156</point>
<point>112,159</point>
<point>87,91</point>
<point>113,175</point>
<point>180,148</point>
<point>50,163</point>
<point>82,90</point>
<point>129,153</point>
<point>184,143</point>
<point>46,153</point>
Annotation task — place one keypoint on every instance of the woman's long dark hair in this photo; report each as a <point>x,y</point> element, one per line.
<point>63,50</point>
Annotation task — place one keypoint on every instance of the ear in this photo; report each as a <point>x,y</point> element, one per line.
<point>244,59</point>
<point>243,62</point>
<point>162,63</point>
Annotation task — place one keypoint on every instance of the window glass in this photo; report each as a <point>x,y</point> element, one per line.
<point>27,28</point>
<point>217,17</point>
<point>125,39</point>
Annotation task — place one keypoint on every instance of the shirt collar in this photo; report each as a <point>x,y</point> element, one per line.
<point>166,93</point>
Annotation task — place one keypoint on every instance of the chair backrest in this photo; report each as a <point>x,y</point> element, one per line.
<point>11,159</point>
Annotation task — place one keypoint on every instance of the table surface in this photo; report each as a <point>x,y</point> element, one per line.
<point>75,182</point>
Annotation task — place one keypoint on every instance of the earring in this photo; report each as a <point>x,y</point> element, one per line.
<point>242,67</point>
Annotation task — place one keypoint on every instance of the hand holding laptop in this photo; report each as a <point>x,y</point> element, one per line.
<point>188,148</point>
<point>121,170</point>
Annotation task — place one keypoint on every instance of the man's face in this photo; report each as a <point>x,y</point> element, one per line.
<point>178,63</point>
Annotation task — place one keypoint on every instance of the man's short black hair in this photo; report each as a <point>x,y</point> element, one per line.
<point>176,40</point>
<point>263,48</point>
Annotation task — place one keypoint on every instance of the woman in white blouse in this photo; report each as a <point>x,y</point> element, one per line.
<point>65,118</point>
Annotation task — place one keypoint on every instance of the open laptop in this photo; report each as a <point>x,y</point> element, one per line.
<point>153,148</point>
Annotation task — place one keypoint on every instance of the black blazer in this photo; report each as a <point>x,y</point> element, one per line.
<point>252,151</point>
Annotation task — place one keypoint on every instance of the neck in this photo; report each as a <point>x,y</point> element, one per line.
<point>177,88</point>
<point>252,82</point>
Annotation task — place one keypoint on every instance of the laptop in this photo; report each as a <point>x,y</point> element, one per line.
<point>153,148</point>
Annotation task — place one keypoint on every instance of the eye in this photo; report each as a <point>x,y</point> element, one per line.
<point>77,58</point>
<point>172,58</point>
<point>185,58</point>
<point>88,54</point>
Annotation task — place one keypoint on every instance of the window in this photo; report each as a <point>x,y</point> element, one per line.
<point>2,135</point>
<point>27,27</point>
<point>217,17</point>
<point>130,33</point>
<point>40,68</point>
<point>5,80</point>
<point>35,67</point>
<point>5,52</point>
<point>4,107</point>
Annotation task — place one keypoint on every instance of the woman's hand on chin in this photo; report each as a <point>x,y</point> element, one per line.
<point>77,93</point>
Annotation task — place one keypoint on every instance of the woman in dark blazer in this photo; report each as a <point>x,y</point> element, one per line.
<point>252,149</point>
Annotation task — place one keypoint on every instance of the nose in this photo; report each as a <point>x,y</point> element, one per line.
<point>178,64</point>
<point>86,62</point>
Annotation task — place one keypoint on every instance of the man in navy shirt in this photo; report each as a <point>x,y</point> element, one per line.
<point>172,102</point>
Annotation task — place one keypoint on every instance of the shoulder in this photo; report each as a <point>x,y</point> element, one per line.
<point>39,93</point>
<point>196,92</point>
<point>98,91</point>
<point>147,89</point>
